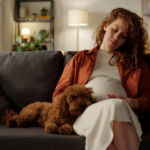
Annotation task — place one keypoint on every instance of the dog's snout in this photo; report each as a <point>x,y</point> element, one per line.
<point>83,106</point>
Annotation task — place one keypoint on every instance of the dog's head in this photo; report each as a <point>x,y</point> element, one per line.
<point>75,100</point>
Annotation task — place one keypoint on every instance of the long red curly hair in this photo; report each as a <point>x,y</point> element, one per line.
<point>131,54</point>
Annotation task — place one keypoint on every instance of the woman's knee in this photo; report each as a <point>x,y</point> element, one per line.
<point>111,147</point>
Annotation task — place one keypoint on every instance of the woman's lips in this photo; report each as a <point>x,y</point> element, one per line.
<point>113,42</point>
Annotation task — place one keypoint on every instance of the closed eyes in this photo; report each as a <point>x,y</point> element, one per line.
<point>124,37</point>
<point>114,30</point>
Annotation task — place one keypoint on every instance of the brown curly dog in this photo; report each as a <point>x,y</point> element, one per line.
<point>57,117</point>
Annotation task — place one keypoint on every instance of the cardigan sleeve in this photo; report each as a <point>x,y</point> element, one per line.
<point>66,79</point>
<point>144,89</point>
<point>68,76</point>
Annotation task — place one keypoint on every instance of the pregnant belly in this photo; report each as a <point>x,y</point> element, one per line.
<point>103,87</point>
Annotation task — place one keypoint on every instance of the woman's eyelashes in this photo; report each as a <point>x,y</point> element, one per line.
<point>124,37</point>
<point>115,30</point>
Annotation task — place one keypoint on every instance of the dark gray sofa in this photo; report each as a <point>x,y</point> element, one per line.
<point>27,77</point>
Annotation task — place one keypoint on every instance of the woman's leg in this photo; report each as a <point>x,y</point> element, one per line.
<point>111,147</point>
<point>125,137</point>
<point>96,124</point>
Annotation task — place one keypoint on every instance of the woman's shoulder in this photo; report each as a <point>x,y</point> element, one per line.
<point>81,54</point>
<point>144,65</point>
<point>143,62</point>
<point>85,51</point>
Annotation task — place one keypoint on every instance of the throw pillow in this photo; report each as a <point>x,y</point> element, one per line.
<point>4,104</point>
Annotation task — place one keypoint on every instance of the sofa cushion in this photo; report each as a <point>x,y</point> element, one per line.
<point>27,77</point>
<point>35,138</point>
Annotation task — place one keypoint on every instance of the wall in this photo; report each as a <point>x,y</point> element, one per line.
<point>65,36</point>
<point>9,23</point>
<point>2,37</point>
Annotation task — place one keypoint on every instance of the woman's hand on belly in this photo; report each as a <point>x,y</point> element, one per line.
<point>133,103</point>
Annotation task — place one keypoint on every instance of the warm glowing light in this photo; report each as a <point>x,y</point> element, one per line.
<point>77,17</point>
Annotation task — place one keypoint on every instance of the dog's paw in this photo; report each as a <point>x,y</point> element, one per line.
<point>51,128</point>
<point>11,123</point>
<point>21,124</point>
<point>65,129</point>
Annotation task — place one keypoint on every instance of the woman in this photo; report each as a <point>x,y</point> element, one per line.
<point>119,76</point>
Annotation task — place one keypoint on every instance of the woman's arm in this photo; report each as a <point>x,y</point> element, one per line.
<point>144,89</point>
<point>142,102</point>
<point>68,76</point>
<point>134,104</point>
<point>65,80</point>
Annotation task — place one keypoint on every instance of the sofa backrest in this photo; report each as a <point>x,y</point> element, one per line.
<point>27,77</point>
<point>68,56</point>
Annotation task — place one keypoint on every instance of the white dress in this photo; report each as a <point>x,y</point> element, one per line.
<point>96,122</point>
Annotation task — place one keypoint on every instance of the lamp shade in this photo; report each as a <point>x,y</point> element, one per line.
<point>77,17</point>
<point>25,31</point>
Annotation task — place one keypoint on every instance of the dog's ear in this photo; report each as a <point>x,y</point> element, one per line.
<point>88,93</point>
<point>69,89</point>
<point>61,105</point>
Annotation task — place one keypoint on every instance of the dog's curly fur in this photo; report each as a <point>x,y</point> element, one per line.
<point>57,117</point>
<point>6,115</point>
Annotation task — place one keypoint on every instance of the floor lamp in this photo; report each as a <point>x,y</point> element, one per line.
<point>77,17</point>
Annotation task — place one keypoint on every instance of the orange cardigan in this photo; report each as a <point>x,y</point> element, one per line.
<point>137,85</point>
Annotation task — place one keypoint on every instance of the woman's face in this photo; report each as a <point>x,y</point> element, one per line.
<point>115,36</point>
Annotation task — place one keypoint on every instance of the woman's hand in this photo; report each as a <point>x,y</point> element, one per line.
<point>133,103</point>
